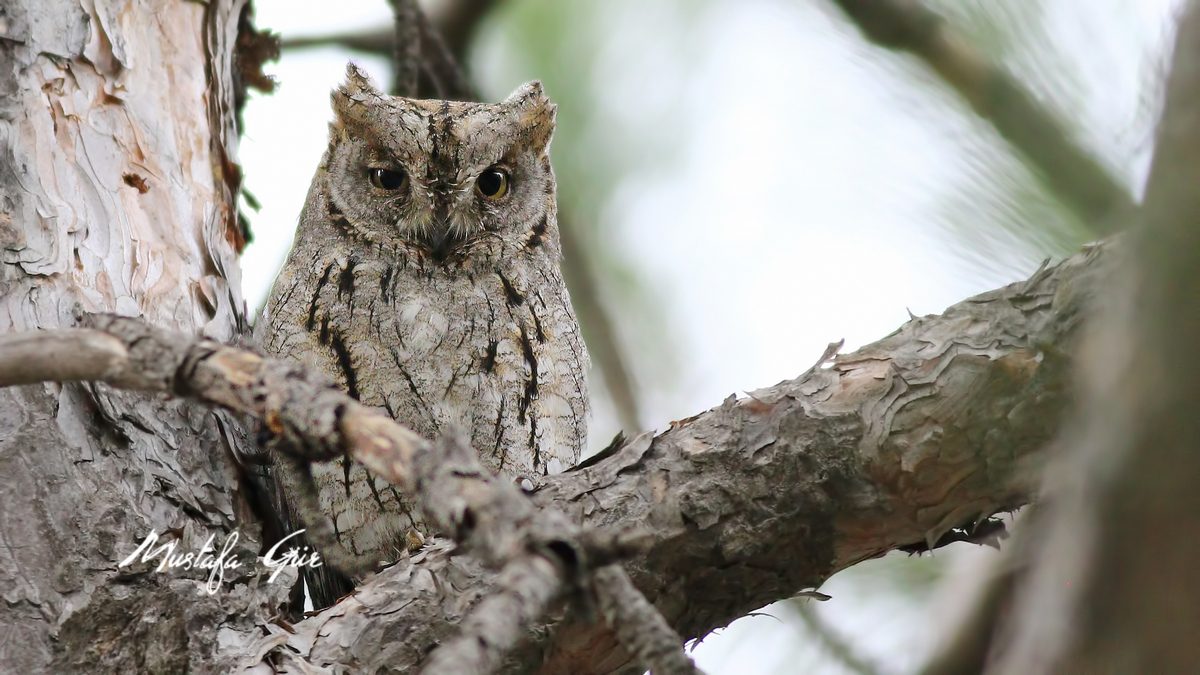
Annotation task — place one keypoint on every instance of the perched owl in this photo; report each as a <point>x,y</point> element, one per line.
<point>424,277</point>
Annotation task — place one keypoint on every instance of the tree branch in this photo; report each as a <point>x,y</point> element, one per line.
<point>827,637</point>
<point>938,425</point>
<point>442,65</point>
<point>458,20</point>
<point>597,323</point>
<point>406,48</point>
<point>424,64</point>
<point>537,549</point>
<point>518,599</point>
<point>376,41</point>
<point>639,627</point>
<point>1070,172</point>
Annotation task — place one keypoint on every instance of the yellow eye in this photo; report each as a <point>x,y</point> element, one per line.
<point>386,179</point>
<point>493,183</point>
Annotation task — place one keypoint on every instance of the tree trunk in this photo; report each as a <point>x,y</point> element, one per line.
<point>1105,579</point>
<point>117,190</point>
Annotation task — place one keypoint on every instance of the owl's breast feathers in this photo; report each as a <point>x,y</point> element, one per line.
<point>495,351</point>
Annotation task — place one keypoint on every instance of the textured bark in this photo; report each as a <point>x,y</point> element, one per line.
<point>937,426</point>
<point>537,550</point>
<point>113,197</point>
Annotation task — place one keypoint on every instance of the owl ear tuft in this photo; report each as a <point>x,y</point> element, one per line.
<point>533,109</point>
<point>352,99</point>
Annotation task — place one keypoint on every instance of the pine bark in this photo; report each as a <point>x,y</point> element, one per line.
<point>117,187</point>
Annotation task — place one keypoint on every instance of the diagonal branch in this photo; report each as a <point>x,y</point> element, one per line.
<point>537,550</point>
<point>598,325</point>
<point>1036,133</point>
<point>934,427</point>
<point>639,627</point>
<point>828,638</point>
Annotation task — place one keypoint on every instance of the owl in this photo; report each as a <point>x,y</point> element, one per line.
<point>425,279</point>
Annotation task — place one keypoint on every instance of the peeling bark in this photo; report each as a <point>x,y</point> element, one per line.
<point>109,202</point>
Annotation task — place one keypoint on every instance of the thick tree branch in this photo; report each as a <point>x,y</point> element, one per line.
<point>938,425</point>
<point>1071,172</point>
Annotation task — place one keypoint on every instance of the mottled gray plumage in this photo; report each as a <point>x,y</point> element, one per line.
<point>427,297</point>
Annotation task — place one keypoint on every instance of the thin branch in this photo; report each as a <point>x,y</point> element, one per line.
<point>376,41</point>
<point>442,65</point>
<point>1037,134</point>
<point>60,357</point>
<point>597,324</point>
<point>519,598</point>
<point>458,20</point>
<point>837,645</point>
<point>424,65</point>
<point>639,627</point>
<point>455,21</point>
<point>406,48</point>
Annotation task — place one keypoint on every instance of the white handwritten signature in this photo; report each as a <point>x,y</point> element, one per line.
<point>204,559</point>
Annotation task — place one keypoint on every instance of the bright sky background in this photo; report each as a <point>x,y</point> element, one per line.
<point>804,211</point>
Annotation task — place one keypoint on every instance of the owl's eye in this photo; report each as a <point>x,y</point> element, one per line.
<point>493,183</point>
<point>386,179</point>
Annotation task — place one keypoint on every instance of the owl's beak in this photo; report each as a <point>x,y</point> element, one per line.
<point>441,238</point>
